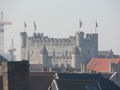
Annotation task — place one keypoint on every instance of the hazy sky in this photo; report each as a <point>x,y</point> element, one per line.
<point>60,18</point>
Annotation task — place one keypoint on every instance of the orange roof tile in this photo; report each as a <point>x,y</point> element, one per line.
<point>101,64</point>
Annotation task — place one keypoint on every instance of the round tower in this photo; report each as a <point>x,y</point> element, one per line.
<point>44,57</point>
<point>23,39</point>
<point>75,58</point>
<point>23,45</point>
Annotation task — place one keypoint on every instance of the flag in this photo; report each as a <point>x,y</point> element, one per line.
<point>25,26</point>
<point>35,27</point>
<point>96,25</point>
<point>80,23</point>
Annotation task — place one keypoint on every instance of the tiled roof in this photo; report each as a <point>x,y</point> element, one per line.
<point>40,80</point>
<point>105,83</point>
<point>77,84</point>
<point>82,76</point>
<point>102,64</point>
<point>37,80</point>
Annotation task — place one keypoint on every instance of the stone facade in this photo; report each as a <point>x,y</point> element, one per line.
<point>59,52</point>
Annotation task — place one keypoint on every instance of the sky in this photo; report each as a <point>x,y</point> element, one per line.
<point>60,18</point>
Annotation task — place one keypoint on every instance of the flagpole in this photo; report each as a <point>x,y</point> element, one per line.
<point>25,26</point>
<point>35,27</point>
<point>80,24</point>
<point>96,27</point>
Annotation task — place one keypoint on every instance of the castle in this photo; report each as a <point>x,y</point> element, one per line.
<point>72,52</point>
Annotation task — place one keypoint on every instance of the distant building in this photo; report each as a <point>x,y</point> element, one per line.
<point>107,54</point>
<point>2,59</point>
<point>15,75</point>
<point>105,65</point>
<point>74,51</point>
<point>8,57</point>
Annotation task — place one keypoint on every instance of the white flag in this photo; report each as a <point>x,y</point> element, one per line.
<point>35,27</point>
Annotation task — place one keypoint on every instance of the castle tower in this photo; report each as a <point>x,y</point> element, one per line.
<point>76,58</point>
<point>23,45</point>
<point>96,43</point>
<point>79,38</point>
<point>44,57</point>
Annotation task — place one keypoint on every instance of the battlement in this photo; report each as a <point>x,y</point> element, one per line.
<point>45,40</point>
<point>92,36</point>
<point>41,37</point>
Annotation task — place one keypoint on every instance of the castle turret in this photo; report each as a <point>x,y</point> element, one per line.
<point>94,41</point>
<point>44,57</point>
<point>79,38</point>
<point>23,39</point>
<point>76,58</point>
<point>23,45</point>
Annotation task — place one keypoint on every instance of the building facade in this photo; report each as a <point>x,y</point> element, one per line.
<point>15,75</point>
<point>59,52</point>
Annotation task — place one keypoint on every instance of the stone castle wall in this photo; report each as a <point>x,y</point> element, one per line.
<point>59,50</point>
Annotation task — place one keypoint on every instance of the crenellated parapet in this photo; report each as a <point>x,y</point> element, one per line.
<point>39,39</point>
